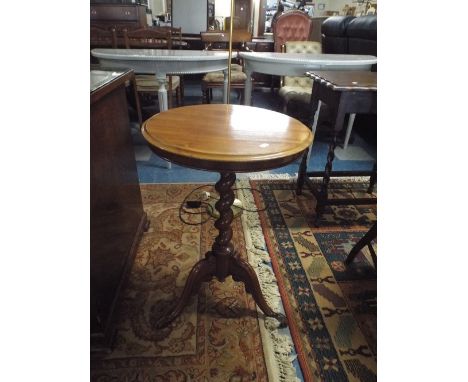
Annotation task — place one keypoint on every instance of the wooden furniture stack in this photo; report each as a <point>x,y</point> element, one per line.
<point>118,16</point>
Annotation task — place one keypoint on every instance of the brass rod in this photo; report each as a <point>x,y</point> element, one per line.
<point>231,25</point>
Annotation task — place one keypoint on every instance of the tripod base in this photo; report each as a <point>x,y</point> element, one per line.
<point>204,271</point>
<point>222,261</point>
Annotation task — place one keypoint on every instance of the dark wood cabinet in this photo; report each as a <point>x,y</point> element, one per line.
<point>117,216</point>
<point>118,16</point>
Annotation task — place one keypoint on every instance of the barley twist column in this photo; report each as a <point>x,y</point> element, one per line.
<point>222,247</point>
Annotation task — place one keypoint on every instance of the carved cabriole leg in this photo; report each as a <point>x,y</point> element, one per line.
<point>243,271</point>
<point>203,271</point>
<point>222,247</point>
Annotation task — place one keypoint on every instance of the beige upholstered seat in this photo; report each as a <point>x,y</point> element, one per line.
<point>218,41</point>
<point>237,75</point>
<point>149,83</point>
<point>298,88</point>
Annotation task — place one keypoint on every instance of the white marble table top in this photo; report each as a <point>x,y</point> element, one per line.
<point>309,58</point>
<point>158,54</point>
<point>297,64</point>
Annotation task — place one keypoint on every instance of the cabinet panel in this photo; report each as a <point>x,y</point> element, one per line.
<point>117,216</point>
<point>108,15</point>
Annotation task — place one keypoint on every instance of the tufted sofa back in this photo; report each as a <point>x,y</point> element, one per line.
<point>291,26</point>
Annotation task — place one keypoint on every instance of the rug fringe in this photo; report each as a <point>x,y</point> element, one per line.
<point>277,347</point>
<point>260,176</point>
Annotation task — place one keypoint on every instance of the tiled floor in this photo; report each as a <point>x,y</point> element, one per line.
<point>152,169</point>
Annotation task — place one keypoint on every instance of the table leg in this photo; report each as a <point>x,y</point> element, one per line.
<point>302,172</point>
<point>248,88</point>
<point>373,179</point>
<point>352,116</point>
<point>162,98</point>
<point>314,106</point>
<point>365,240</point>
<point>322,195</point>
<point>315,114</point>
<point>314,127</point>
<point>222,261</point>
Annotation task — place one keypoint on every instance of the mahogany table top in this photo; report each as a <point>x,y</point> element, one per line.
<point>220,137</point>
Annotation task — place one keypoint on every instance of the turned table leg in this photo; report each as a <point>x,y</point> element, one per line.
<point>222,261</point>
<point>322,195</point>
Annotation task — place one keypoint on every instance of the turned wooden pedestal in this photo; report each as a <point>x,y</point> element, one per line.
<point>226,139</point>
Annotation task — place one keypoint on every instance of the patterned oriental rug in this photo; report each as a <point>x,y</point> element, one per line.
<point>331,307</point>
<point>221,335</point>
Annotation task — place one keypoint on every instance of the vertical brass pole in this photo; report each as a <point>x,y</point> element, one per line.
<point>231,26</point>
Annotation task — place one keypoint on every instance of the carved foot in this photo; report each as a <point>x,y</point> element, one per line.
<point>204,270</point>
<point>243,271</point>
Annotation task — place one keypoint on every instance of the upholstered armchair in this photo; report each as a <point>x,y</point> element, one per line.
<point>291,26</point>
<point>297,88</point>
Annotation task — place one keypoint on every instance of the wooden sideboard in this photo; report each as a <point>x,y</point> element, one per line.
<point>118,16</point>
<point>117,216</point>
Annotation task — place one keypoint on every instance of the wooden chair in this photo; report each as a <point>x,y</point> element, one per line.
<point>176,36</point>
<point>219,40</point>
<point>153,38</point>
<point>103,38</point>
<point>177,43</point>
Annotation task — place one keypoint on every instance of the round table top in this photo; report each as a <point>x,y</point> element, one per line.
<point>220,137</point>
